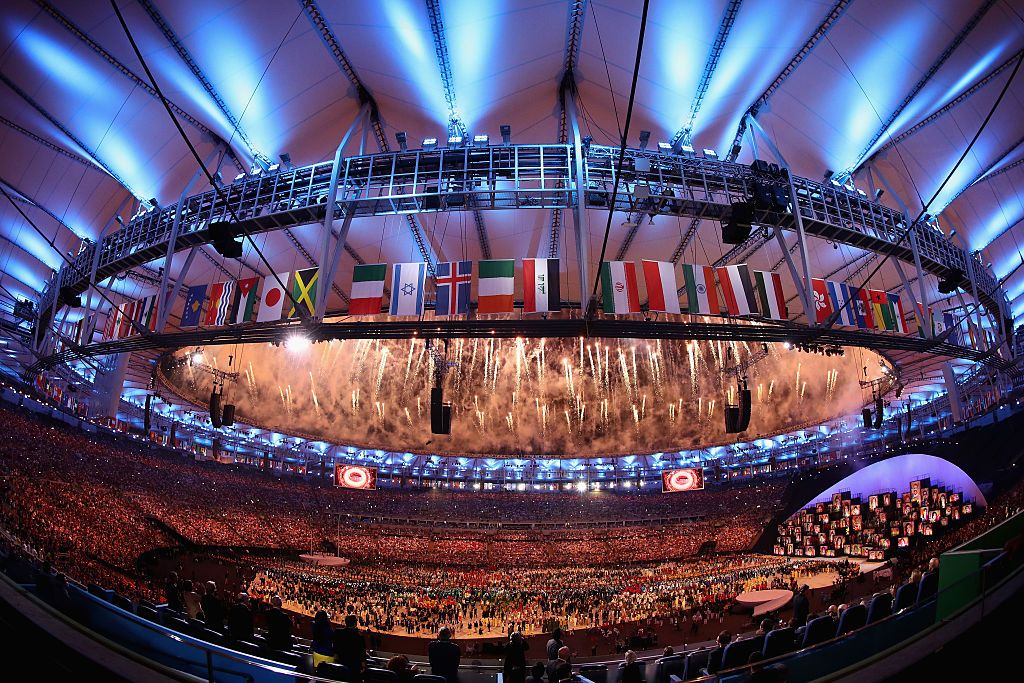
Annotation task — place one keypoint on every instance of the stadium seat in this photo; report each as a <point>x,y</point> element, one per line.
<point>737,653</point>
<point>905,596</point>
<point>668,666</point>
<point>375,675</point>
<point>695,661</point>
<point>122,602</point>
<point>428,678</point>
<point>211,636</point>
<point>285,657</point>
<point>148,613</point>
<point>779,641</point>
<point>598,673</point>
<point>101,592</point>
<point>880,607</point>
<point>927,587</point>
<point>818,631</point>
<point>643,667</point>
<point>853,618</point>
<point>176,624</point>
<point>335,672</point>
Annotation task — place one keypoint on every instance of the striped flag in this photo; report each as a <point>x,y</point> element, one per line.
<point>701,293</point>
<point>881,310</point>
<point>192,313</point>
<point>619,292</point>
<point>662,291</point>
<point>495,286</point>
<point>367,289</point>
<point>244,304</point>
<point>737,289</point>
<point>146,312</point>
<point>862,308</point>
<point>125,317</point>
<point>304,292</point>
<point>901,318</point>
<point>949,322</point>
<point>541,286</point>
<point>407,288</point>
<point>822,303</point>
<point>769,293</point>
<point>452,280</point>
<point>841,298</point>
<point>925,319</point>
<point>220,303</point>
<point>272,297</point>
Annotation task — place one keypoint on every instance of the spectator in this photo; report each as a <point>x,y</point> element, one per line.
<point>350,648</point>
<point>279,626</point>
<point>631,672</point>
<point>560,668</point>
<point>929,584</point>
<point>514,667</point>
<point>554,644</point>
<point>172,592</point>
<point>213,608</point>
<point>323,639</point>
<point>715,658</point>
<point>444,656</point>
<point>536,673</point>
<point>401,666</point>
<point>801,606</point>
<point>190,598</point>
<point>669,651</point>
<point>240,626</point>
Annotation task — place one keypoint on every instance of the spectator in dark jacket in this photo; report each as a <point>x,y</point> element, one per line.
<point>323,639</point>
<point>213,608</point>
<point>631,670</point>
<point>401,666</point>
<point>536,673</point>
<point>350,648</point>
<point>444,656</point>
<point>715,658</point>
<point>801,606</point>
<point>279,626</point>
<point>240,619</point>
<point>172,591</point>
<point>514,668</point>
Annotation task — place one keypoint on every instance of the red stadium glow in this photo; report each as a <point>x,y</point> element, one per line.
<point>355,477</point>
<point>687,479</point>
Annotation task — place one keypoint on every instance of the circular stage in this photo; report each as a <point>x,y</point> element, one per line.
<point>764,602</point>
<point>324,560</point>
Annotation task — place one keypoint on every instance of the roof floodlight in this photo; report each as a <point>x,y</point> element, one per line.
<point>664,148</point>
<point>645,136</point>
<point>239,177</point>
<point>878,194</point>
<point>506,134</point>
<point>688,151</point>
<point>429,143</point>
<point>402,141</point>
<point>454,141</point>
<point>710,154</point>
<point>481,140</point>
<point>274,168</point>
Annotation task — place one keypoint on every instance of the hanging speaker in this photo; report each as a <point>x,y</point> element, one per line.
<point>909,421</point>
<point>737,228</point>
<point>440,412</point>
<point>147,418</point>
<point>879,413</point>
<point>744,418</point>
<point>732,419</point>
<point>215,417</point>
<point>866,416</point>
<point>171,436</point>
<point>228,418</point>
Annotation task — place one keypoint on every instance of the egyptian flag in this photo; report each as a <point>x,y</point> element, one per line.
<point>272,297</point>
<point>304,292</point>
<point>897,308</point>
<point>737,289</point>
<point>619,292</point>
<point>701,294</point>
<point>192,313</point>
<point>822,304</point>
<point>540,286</point>
<point>219,310</point>
<point>769,292</point>
<point>245,300</point>
<point>662,291</point>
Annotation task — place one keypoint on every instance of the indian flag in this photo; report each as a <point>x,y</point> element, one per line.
<point>769,292</point>
<point>367,289</point>
<point>495,286</point>
<point>701,295</point>
<point>619,292</point>
<point>738,292</point>
<point>662,295</point>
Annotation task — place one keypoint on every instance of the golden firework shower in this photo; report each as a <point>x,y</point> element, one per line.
<point>532,396</point>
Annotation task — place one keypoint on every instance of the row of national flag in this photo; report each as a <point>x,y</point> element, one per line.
<point>858,307</point>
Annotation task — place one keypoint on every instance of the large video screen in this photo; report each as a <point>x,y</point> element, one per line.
<point>687,479</point>
<point>355,477</point>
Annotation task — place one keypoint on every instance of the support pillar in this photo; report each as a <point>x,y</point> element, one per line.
<point>801,240</point>
<point>579,205</point>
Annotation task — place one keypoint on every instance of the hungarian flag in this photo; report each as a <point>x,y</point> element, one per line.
<point>881,310</point>
<point>218,312</point>
<point>738,292</point>
<point>822,304</point>
<point>619,292</point>
<point>304,292</point>
<point>841,297</point>
<point>245,300</point>
<point>862,308</point>
<point>897,308</point>
<point>452,280</point>
<point>662,291</point>
<point>272,297</point>
<point>407,281</point>
<point>495,286</point>
<point>769,293</point>
<point>193,310</point>
<point>367,289</point>
<point>540,286</point>
<point>701,294</point>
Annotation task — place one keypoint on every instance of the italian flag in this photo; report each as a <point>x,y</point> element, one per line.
<point>619,293</point>
<point>738,292</point>
<point>769,292</point>
<point>367,289</point>
<point>495,286</point>
<point>540,286</point>
<point>662,293</point>
<point>245,300</point>
<point>701,294</point>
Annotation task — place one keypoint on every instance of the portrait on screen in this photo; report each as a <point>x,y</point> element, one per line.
<point>686,479</point>
<point>355,477</point>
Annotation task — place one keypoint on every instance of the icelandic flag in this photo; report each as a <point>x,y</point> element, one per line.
<point>453,280</point>
<point>407,281</point>
<point>842,301</point>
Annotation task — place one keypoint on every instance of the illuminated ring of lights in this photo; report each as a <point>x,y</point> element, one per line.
<point>355,477</point>
<point>682,480</point>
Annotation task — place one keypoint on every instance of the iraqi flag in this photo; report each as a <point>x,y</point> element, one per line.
<point>192,313</point>
<point>841,297</point>
<point>662,291</point>
<point>737,289</point>
<point>496,281</point>
<point>452,280</point>
<point>822,304</point>
<point>769,293</point>
<point>619,292</point>
<point>540,285</point>
<point>897,308</point>
<point>407,283</point>
<point>245,300</point>
<point>219,310</point>
<point>367,289</point>
<point>701,294</point>
<point>272,297</point>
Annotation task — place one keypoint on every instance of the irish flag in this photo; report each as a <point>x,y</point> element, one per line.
<point>495,285</point>
<point>769,293</point>
<point>367,289</point>
<point>540,286</point>
<point>738,292</point>
<point>662,293</point>
<point>619,293</point>
<point>701,294</point>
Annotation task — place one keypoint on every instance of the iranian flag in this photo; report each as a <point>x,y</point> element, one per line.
<point>495,285</point>
<point>619,293</point>
<point>272,297</point>
<point>662,292</point>
<point>822,304</point>
<point>245,300</point>
<point>738,292</point>
<point>540,286</point>
<point>701,294</point>
<point>367,289</point>
<point>769,292</point>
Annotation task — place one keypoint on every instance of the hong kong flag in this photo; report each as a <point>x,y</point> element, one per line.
<point>822,304</point>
